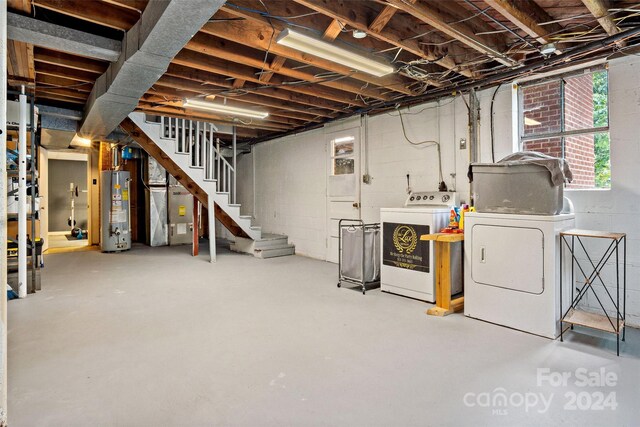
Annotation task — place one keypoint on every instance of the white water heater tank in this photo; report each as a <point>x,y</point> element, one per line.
<point>115,221</point>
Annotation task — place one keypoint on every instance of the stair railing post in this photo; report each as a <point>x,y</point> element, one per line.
<point>218,171</point>
<point>197,146</point>
<point>184,136</point>
<point>211,154</point>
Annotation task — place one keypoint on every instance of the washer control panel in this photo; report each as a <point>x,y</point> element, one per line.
<point>432,198</point>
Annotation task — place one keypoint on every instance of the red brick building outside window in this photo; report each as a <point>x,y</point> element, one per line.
<point>568,117</point>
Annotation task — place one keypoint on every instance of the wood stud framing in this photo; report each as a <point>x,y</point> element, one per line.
<point>235,57</point>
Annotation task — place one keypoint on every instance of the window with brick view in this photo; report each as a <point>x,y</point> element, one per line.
<point>568,117</point>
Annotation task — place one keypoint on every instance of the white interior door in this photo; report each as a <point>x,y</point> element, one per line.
<point>343,184</point>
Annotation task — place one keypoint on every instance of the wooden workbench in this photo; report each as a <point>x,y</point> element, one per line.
<point>444,304</point>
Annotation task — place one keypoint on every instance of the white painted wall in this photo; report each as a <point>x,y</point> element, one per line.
<point>290,172</point>
<point>290,179</point>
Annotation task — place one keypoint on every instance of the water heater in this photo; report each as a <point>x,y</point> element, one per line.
<point>115,222</point>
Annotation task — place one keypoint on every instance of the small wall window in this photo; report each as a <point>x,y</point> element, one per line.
<point>342,156</point>
<point>568,117</point>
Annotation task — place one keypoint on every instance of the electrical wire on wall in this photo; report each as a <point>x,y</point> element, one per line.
<point>442,186</point>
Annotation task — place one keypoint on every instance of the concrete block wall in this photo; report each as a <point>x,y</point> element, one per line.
<point>291,172</point>
<point>615,209</point>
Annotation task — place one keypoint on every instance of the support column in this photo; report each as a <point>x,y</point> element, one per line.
<point>211,211</point>
<point>3,212</point>
<point>235,156</point>
<point>196,227</point>
<point>22,197</point>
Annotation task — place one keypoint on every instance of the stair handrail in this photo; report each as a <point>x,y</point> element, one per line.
<point>199,135</point>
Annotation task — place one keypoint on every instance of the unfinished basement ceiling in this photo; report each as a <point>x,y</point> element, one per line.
<point>434,46</point>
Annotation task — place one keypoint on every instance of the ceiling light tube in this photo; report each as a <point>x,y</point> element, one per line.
<point>333,53</point>
<point>225,109</point>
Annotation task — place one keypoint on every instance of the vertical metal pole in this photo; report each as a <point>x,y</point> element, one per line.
<point>34,159</point>
<point>3,211</point>
<point>233,190</point>
<point>617,298</point>
<point>22,197</point>
<point>562,241</point>
<point>624,289</point>
<point>211,213</point>
<point>196,227</point>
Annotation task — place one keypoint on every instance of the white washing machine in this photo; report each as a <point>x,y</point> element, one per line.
<point>408,266</point>
<point>512,272</point>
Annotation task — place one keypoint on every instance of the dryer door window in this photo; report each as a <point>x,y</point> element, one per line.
<point>508,257</point>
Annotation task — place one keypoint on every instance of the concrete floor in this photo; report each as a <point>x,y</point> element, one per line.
<point>155,337</point>
<point>58,240</point>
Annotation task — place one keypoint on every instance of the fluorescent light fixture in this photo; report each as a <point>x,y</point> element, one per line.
<point>531,122</point>
<point>333,53</point>
<point>343,139</point>
<point>78,141</point>
<point>225,109</point>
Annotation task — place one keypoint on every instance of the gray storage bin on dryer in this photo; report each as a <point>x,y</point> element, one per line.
<point>515,189</point>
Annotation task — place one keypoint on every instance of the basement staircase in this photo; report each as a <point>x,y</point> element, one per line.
<point>188,150</point>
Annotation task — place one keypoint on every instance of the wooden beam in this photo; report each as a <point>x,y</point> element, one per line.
<point>208,79</point>
<point>220,47</point>
<point>460,32</point>
<point>20,5</point>
<point>20,81</point>
<point>20,60</point>
<point>31,67</point>
<point>69,93</point>
<point>255,94</point>
<point>258,33</point>
<point>382,19</point>
<point>238,83</point>
<point>92,11</point>
<point>600,10</point>
<point>333,30</point>
<point>48,56</point>
<point>216,65</point>
<point>60,98</point>
<point>69,73</point>
<point>355,15</point>
<point>48,80</point>
<point>276,64</point>
<point>137,5</point>
<point>526,15</point>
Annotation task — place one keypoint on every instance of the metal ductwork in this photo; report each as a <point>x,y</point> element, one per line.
<point>163,30</point>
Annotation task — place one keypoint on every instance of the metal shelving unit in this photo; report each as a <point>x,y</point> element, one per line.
<point>573,316</point>
<point>32,184</point>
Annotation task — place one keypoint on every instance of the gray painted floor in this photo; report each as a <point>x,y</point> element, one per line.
<point>155,337</point>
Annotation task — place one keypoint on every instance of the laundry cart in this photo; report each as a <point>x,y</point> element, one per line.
<point>359,254</point>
